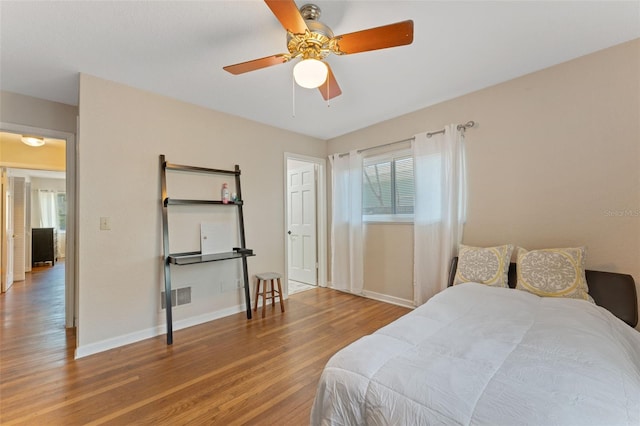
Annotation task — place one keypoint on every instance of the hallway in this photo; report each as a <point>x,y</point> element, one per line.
<point>33,322</point>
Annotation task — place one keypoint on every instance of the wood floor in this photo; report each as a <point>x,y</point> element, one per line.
<point>228,371</point>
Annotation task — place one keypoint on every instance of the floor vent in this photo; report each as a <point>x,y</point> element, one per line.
<point>180,296</point>
<point>184,295</point>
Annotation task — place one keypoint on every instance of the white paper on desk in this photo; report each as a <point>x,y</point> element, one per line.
<point>216,238</point>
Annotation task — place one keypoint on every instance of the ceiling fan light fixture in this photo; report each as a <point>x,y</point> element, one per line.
<point>310,73</point>
<point>32,140</point>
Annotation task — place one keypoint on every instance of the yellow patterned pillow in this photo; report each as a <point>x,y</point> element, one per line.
<point>553,272</point>
<point>488,265</point>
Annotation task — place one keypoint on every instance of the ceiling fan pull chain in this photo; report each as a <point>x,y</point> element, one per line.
<point>293,97</point>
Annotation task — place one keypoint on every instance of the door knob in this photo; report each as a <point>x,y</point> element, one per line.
<point>289,232</point>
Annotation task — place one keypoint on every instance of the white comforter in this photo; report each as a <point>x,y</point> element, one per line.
<point>476,354</point>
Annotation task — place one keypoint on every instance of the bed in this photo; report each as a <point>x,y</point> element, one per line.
<point>476,354</point>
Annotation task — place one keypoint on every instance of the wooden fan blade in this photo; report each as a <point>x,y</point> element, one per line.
<point>288,14</point>
<point>398,34</point>
<point>330,88</point>
<point>256,64</point>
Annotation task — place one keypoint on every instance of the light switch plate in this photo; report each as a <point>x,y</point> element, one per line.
<point>105,224</point>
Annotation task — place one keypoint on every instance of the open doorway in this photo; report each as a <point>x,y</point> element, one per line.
<point>33,222</point>
<point>45,177</point>
<point>305,222</point>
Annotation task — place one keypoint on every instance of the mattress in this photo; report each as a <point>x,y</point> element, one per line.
<point>475,354</point>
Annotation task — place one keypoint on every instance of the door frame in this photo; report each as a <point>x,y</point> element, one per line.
<point>71,264</point>
<point>321,216</point>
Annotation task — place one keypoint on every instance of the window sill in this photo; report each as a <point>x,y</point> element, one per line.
<point>382,218</point>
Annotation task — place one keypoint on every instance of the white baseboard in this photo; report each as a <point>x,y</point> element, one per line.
<point>388,299</point>
<point>115,342</point>
<point>380,297</point>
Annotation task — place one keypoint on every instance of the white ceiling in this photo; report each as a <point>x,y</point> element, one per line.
<point>178,49</point>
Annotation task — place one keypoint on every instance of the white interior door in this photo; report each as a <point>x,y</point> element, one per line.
<point>7,229</point>
<point>301,193</point>
<point>19,223</point>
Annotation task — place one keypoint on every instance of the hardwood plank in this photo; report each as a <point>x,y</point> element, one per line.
<point>228,371</point>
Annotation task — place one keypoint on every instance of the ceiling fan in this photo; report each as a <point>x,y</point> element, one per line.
<point>312,41</point>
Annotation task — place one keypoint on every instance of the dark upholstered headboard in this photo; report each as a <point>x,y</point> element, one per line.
<point>615,292</point>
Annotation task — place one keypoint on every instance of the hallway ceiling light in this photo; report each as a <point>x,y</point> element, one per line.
<point>32,140</point>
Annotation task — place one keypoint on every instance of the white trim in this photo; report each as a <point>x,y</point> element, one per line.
<point>388,218</point>
<point>321,207</point>
<point>405,303</point>
<point>388,299</point>
<point>71,285</point>
<point>29,166</point>
<point>115,342</point>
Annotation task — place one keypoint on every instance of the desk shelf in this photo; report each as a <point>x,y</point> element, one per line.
<point>195,257</point>
<point>178,202</point>
<point>189,258</point>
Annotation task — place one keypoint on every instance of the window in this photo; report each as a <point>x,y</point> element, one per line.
<point>387,188</point>
<point>61,206</point>
<point>49,209</point>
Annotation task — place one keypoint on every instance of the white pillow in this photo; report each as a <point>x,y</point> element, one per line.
<point>556,272</point>
<point>485,265</point>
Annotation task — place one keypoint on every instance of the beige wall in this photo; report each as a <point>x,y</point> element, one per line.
<point>122,132</point>
<point>34,112</point>
<point>388,257</point>
<point>23,110</point>
<point>554,162</point>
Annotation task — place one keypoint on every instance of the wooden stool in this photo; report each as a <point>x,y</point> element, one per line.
<point>269,279</point>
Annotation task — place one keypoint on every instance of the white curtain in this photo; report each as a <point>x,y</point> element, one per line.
<point>44,209</point>
<point>440,203</point>
<point>347,269</point>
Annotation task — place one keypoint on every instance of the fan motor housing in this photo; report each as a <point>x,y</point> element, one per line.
<point>315,43</point>
<point>310,12</point>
